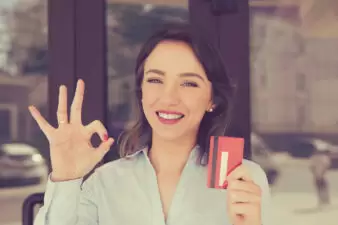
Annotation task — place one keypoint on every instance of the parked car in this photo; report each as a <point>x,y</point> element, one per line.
<point>261,154</point>
<point>306,147</point>
<point>301,147</point>
<point>21,164</point>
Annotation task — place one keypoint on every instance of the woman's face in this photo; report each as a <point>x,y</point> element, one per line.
<point>175,91</point>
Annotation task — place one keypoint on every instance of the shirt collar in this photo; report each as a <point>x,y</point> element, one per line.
<point>143,150</point>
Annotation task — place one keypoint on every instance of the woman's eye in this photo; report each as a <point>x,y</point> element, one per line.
<point>190,84</point>
<point>154,80</point>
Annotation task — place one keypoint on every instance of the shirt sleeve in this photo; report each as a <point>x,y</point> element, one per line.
<point>69,203</point>
<point>260,178</point>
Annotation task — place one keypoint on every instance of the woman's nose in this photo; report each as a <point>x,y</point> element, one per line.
<point>170,95</point>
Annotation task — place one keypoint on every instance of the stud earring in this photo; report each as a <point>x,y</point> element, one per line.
<point>211,110</point>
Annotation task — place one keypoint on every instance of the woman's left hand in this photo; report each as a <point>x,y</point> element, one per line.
<point>243,198</point>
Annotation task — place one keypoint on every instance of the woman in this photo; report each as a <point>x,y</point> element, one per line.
<point>320,164</point>
<point>183,96</point>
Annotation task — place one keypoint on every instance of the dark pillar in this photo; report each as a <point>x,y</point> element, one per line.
<point>226,22</point>
<point>77,49</point>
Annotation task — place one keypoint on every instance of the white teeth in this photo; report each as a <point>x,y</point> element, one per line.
<point>170,116</point>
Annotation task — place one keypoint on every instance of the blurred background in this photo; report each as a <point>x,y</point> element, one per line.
<point>293,93</point>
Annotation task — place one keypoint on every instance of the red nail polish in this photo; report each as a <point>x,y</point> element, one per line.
<point>105,137</point>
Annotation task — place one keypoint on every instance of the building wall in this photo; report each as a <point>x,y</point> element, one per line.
<point>15,96</point>
<point>293,77</point>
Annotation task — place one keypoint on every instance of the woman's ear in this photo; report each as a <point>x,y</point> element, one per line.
<point>213,104</point>
<point>211,107</point>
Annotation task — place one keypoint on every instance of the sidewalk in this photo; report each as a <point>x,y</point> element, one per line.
<point>298,209</point>
<point>293,198</point>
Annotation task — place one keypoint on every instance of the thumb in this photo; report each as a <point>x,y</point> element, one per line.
<point>103,148</point>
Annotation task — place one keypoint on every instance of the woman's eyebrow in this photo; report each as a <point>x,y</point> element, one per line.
<point>159,72</point>
<point>188,74</point>
<point>191,75</point>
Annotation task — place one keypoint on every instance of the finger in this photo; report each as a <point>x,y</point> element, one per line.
<point>243,197</point>
<point>97,127</point>
<point>103,148</point>
<point>62,116</point>
<point>240,173</point>
<point>240,185</point>
<point>46,128</point>
<point>245,209</point>
<point>76,107</point>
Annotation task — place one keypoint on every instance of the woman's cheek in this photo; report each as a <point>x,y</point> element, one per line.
<point>196,100</point>
<point>150,94</point>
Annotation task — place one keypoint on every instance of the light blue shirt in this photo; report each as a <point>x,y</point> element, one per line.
<point>125,192</point>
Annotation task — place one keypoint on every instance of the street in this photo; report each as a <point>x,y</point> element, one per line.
<point>11,201</point>
<point>293,198</point>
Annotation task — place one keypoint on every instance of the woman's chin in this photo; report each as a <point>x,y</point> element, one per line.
<point>173,135</point>
<point>173,132</point>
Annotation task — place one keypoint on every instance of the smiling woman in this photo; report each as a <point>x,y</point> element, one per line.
<point>178,79</point>
<point>183,97</point>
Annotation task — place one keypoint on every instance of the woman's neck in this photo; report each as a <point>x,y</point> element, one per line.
<point>169,156</point>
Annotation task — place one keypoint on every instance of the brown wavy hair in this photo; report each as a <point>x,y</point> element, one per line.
<point>213,123</point>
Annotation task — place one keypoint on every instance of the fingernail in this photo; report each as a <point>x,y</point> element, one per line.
<point>105,137</point>
<point>225,184</point>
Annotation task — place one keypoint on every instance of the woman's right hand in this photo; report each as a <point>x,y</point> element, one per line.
<point>71,151</point>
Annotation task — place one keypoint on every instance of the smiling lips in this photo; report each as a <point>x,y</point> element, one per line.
<point>169,117</point>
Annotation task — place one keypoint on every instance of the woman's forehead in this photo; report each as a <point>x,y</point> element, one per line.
<point>173,56</point>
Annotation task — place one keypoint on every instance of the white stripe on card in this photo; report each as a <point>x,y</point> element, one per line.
<point>224,168</point>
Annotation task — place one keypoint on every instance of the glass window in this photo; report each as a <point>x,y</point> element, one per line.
<point>129,25</point>
<point>23,81</point>
<point>295,45</point>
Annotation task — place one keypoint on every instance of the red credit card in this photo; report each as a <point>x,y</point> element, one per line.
<point>225,154</point>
